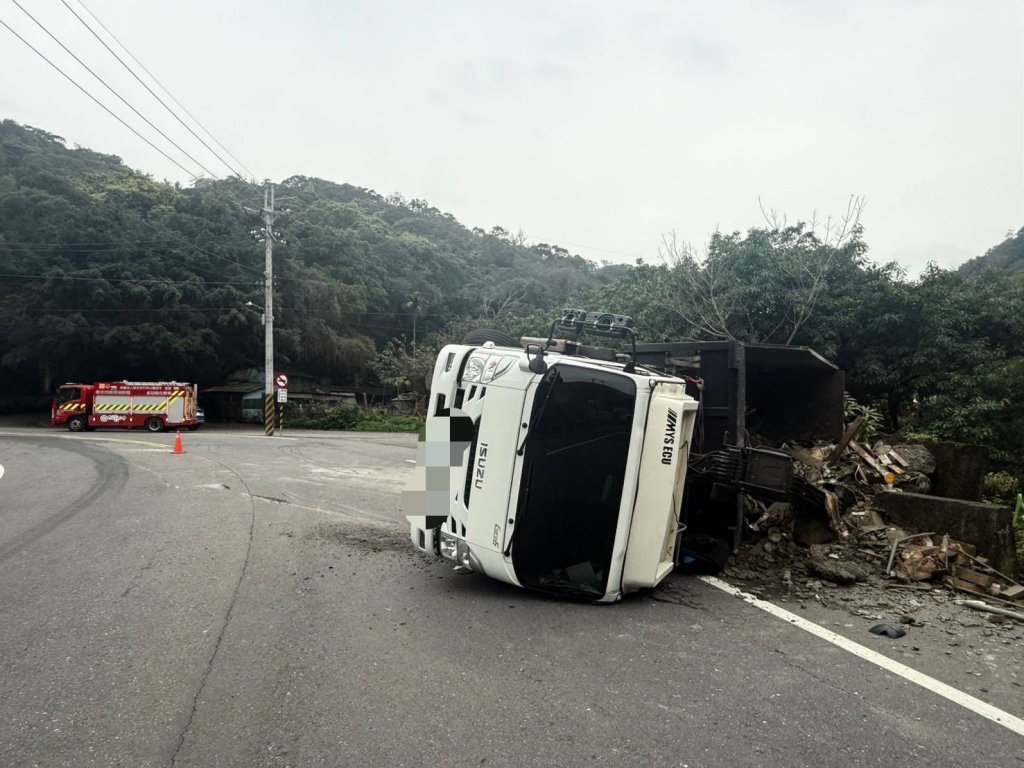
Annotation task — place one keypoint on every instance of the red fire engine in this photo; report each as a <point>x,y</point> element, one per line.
<point>151,405</point>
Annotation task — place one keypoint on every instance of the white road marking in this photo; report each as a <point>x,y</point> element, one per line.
<point>965,700</point>
<point>1,471</point>
<point>92,438</point>
<point>410,461</point>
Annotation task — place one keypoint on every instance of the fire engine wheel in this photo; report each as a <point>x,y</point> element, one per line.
<point>77,423</point>
<point>154,425</point>
<point>499,338</point>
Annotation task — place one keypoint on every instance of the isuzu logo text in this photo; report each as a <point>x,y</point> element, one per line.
<point>670,437</point>
<point>481,460</point>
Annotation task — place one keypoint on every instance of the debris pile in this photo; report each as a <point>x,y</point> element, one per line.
<point>791,551</point>
<point>925,557</point>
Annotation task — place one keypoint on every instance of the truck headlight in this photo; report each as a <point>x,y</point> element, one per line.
<point>474,368</point>
<point>449,546</point>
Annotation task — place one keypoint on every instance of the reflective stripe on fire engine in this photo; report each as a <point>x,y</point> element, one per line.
<point>139,407</point>
<point>72,407</point>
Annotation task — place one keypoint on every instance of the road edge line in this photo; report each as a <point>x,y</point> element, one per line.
<point>979,707</point>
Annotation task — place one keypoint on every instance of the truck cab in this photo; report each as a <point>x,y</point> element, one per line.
<point>71,406</point>
<point>564,477</point>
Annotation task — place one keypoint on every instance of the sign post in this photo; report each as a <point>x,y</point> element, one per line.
<point>281,380</point>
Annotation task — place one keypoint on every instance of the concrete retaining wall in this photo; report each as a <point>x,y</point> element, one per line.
<point>987,526</point>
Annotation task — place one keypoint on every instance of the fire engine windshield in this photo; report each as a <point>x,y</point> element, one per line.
<point>67,394</point>
<point>574,465</point>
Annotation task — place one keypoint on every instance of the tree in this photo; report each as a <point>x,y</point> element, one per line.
<point>764,286</point>
<point>98,256</point>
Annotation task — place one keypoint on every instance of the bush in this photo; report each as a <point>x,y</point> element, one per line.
<point>872,416</point>
<point>1004,488</point>
<point>325,416</point>
<point>377,420</point>
<point>351,418</point>
<point>1001,486</point>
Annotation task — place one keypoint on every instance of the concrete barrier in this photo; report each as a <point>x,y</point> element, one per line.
<point>989,527</point>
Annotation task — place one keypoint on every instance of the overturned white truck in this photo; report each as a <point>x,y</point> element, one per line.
<point>551,470</point>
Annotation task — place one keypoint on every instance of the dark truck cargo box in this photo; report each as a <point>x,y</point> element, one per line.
<point>777,392</point>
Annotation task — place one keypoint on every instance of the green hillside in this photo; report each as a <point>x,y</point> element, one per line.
<point>1007,257</point>
<point>106,273</point>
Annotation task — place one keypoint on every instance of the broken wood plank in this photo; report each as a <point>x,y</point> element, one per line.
<point>869,459</point>
<point>849,435</point>
<point>899,459</point>
<point>1016,592</point>
<point>983,562</point>
<point>888,463</point>
<point>975,577</point>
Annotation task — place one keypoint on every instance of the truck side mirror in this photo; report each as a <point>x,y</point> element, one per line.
<point>535,358</point>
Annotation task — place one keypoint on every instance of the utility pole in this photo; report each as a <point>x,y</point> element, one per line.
<point>269,405</point>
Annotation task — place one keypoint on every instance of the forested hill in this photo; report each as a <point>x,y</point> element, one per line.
<point>106,273</point>
<point>1007,257</point>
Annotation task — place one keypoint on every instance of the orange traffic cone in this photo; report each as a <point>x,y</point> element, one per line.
<point>178,447</point>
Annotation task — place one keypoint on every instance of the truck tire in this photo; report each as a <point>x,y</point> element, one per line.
<point>154,425</point>
<point>77,423</point>
<point>482,335</point>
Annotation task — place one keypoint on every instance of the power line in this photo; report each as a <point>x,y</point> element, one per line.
<point>150,280</point>
<point>109,88</point>
<point>144,85</point>
<point>186,243</point>
<point>164,89</point>
<point>108,247</point>
<point>100,103</point>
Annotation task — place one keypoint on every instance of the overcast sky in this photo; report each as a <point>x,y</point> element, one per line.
<point>599,125</point>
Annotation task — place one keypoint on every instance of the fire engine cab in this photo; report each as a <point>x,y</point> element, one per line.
<point>151,405</point>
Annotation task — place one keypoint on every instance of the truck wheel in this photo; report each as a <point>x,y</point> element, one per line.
<point>77,423</point>
<point>154,425</point>
<point>482,335</point>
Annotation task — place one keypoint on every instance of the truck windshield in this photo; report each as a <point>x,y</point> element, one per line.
<point>68,394</point>
<point>574,465</point>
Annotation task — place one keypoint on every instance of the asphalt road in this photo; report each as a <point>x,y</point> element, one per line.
<point>255,602</point>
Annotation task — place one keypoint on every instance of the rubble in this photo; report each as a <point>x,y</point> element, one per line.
<point>836,571</point>
<point>852,556</point>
